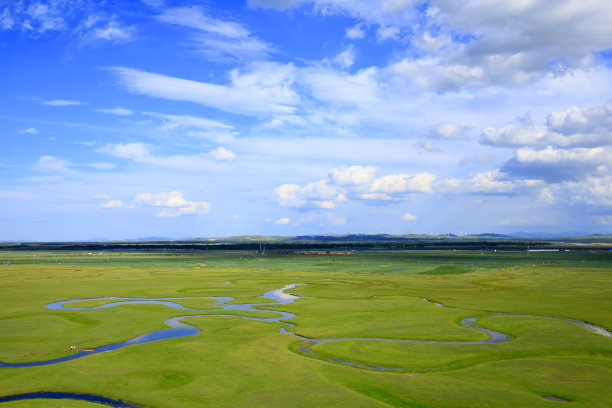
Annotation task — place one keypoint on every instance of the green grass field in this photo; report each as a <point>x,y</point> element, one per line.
<point>241,363</point>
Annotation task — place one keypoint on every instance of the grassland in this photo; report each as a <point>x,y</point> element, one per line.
<point>235,362</point>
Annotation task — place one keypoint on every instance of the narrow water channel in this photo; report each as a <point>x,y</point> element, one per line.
<point>180,329</point>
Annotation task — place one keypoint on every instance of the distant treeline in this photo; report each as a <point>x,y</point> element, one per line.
<point>289,246</point>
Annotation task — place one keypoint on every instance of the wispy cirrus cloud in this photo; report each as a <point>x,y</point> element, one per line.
<point>54,102</point>
<point>218,39</point>
<point>84,22</point>
<point>255,93</point>
<point>116,111</point>
<point>188,121</point>
<point>141,153</point>
<point>30,131</point>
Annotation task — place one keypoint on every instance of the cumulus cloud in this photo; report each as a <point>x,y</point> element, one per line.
<point>555,165</point>
<point>572,127</point>
<point>448,131</point>
<point>282,221</point>
<point>173,204</point>
<point>385,33</point>
<point>112,204</point>
<point>401,183</point>
<point>355,32</point>
<point>353,175</point>
<point>490,182</point>
<point>408,217</point>
<point>354,182</point>
<point>346,58</point>
<point>592,190</point>
<point>582,120</point>
<point>319,194</point>
<point>505,43</point>
<point>222,154</point>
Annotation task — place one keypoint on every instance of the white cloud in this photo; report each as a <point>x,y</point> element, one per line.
<point>222,154</point>
<point>262,91</point>
<point>173,121</point>
<point>114,32</point>
<point>277,4</point>
<point>318,194</point>
<point>408,217</point>
<point>355,32</point>
<point>448,131</point>
<point>86,143</point>
<point>141,153</point>
<point>555,165</point>
<point>173,203</point>
<point>6,21</point>
<point>52,164</point>
<point>592,190</point>
<point>112,204</point>
<point>101,197</point>
<point>384,33</point>
<point>283,221</point>
<point>402,183</point>
<point>354,182</point>
<point>490,182</point>
<point>30,131</point>
<point>346,58</point>
<point>101,166</point>
<point>117,111</point>
<point>134,151</point>
<point>576,120</point>
<point>505,43</point>
<point>359,89</point>
<point>60,102</point>
<point>218,39</point>
<point>353,175</point>
<point>572,127</point>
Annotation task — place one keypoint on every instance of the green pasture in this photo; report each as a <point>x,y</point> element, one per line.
<point>235,362</point>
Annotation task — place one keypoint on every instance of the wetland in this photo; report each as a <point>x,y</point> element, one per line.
<point>365,329</point>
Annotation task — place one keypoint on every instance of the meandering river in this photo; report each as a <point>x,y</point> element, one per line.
<point>180,329</point>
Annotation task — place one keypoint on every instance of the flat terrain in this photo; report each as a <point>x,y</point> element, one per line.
<point>388,294</point>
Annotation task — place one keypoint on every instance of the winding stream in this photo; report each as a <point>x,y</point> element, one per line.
<point>180,329</point>
<point>177,328</point>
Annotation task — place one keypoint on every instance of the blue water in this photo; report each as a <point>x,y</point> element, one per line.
<point>70,395</point>
<point>180,329</point>
<point>177,327</point>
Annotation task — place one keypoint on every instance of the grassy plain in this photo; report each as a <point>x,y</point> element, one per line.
<point>236,362</point>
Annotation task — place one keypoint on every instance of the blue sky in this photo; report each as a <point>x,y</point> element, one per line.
<point>283,117</point>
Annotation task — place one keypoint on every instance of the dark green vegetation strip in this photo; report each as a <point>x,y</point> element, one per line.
<point>235,362</point>
<point>446,270</point>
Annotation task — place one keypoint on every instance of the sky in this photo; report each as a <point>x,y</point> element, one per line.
<point>133,119</point>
